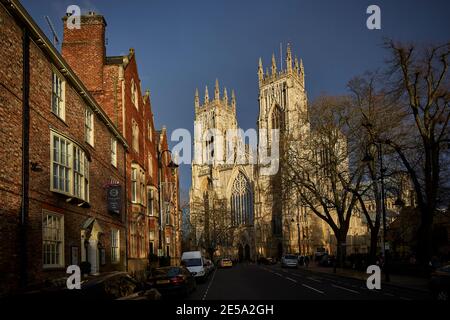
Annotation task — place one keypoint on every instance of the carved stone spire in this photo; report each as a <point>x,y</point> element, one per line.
<point>274,65</point>
<point>225,96</point>
<point>233,100</point>
<point>206,95</point>
<point>288,58</point>
<point>217,91</point>
<point>260,71</point>
<point>196,99</point>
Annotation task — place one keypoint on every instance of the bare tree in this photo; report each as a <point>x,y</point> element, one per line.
<point>420,82</point>
<point>319,169</point>
<point>373,117</point>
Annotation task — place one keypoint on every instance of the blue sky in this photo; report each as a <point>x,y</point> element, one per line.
<point>181,45</point>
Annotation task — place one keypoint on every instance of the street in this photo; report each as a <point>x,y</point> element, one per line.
<point>264,282</point>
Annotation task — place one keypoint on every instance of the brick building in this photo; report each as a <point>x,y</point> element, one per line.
<point>63,162</point>
<point>93,168</point>
<point>115,84</point>
<point>170,206</point>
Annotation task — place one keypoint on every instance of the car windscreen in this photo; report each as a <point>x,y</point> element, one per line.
<point>290,257</point>
<point>193,262</point>
<point>169,272</point>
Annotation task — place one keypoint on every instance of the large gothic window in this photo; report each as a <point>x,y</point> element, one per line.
<point>276,118</point>
<point>241,202</point>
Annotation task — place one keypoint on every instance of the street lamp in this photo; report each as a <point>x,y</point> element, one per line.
<point>171,165</point>
<point>369,158</point>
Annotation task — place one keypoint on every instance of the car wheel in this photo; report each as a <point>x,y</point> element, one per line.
<point>442,295</point>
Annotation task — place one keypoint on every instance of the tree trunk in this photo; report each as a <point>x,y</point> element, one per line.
<point>425,240</point>
<point>373,245</point>
<point>341,249</point>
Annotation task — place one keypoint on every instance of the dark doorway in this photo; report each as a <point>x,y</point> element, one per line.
<point>241,253</point>
<point>247,252</point>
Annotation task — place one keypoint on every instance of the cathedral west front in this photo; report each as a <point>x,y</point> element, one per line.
<point>237,209</point>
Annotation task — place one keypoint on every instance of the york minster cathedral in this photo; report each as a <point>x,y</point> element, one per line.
<point>236,210</point>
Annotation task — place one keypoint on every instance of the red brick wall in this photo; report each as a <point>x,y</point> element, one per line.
<point>84,49</point>
<point>41,198</point>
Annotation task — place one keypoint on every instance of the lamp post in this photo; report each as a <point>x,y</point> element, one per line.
<point>369,158</point>
<point>172,166</point>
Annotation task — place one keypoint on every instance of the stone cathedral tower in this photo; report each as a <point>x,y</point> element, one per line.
<point>222,192</point>
<point>282,106</point>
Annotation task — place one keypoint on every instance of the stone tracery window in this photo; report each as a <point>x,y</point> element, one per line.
<point>276,118</point>
<point>241,202</point>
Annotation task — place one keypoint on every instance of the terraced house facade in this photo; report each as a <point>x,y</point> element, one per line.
<point>79,165</point>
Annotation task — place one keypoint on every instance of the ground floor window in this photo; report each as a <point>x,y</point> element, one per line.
<point>53,240</point>
<point>115,246</point>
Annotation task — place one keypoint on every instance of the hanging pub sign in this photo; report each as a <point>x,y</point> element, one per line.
<point>114,198</point>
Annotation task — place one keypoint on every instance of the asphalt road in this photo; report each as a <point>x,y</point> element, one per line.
<point>262,282</point>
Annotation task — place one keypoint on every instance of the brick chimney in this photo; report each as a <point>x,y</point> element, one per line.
<point>84,49</point>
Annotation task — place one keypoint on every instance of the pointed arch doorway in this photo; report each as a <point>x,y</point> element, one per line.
<point>247,256</point>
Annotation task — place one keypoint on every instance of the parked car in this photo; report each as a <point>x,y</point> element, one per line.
<point>106,286</point>
<point>172,281</point>
<point>194,262</point>
<point>327,261</point>
<point>267,261</point>
<point>440,283</point>
<point>225,263</point>
<point>289,261</point>
<point>320,252</point>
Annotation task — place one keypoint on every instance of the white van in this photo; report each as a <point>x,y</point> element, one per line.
<point>194,262</point>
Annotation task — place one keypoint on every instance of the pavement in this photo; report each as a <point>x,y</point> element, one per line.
<point>413,283</point>
<point>271,282</point>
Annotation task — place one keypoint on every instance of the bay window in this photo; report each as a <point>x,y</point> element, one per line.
<point>69,168</point>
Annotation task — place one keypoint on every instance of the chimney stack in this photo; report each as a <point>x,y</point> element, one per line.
<point>84,49</point>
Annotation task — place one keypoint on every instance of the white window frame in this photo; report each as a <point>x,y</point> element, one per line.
<point>142,188</point>
<point>56,236</point>
<point>150,201</point>
<point>61,162</point>
<point>115,246</point>
<point>58,96</point>
<point>114,151</point>
<point>89,126</point>
<point>134,184</point>
<point>75,165</point>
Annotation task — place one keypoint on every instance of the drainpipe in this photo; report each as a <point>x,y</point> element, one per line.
<point>125,197</point>
<point>25,156</point>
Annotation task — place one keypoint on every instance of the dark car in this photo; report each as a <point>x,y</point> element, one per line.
<point>267,261</point>
<point>327,261</point>
<point>440,283</point>
<point>172,281</point>
<point>107,286</point>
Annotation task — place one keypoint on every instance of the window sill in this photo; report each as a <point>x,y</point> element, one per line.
<point>53,268</point>
<point>59,118</point>
<point>72,199</point>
